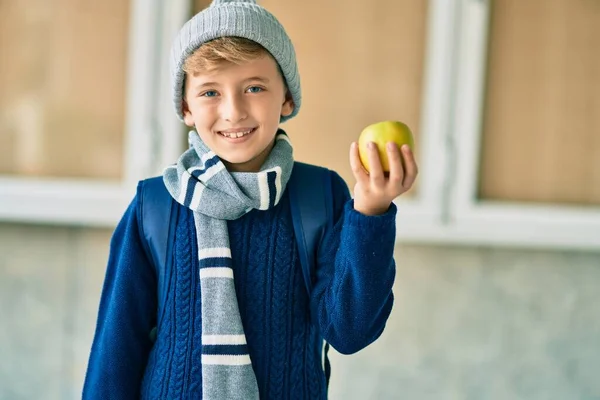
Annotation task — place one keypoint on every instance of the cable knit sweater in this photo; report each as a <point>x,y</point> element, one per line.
<point>349,306</point>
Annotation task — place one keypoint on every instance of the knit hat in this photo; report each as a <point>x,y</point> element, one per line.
<point>241,18</point>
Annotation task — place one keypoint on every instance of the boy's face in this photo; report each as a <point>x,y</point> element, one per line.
<point>236,110</point>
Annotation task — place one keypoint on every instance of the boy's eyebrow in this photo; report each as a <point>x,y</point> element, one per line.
<point>253,78</point>
<point>257,78</point>
<point>204,84</point>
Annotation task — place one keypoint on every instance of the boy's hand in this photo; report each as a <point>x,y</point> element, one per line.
<point>374,191</point>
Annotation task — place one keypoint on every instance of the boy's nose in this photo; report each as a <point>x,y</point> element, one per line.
<point>233,109</point>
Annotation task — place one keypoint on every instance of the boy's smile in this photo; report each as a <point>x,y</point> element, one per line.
<point>236,110</point>
<point>235,135</point>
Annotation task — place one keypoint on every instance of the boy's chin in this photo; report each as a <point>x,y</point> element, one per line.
<point>236,161</point>
<point>238,157</point>
<point>247,160</point>
<point>242,164</point>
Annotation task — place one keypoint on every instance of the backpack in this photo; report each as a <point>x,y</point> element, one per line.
<point>311,206</point>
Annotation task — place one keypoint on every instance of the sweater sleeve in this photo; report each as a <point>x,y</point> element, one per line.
<point>352,297</point>
<point>126,316</point>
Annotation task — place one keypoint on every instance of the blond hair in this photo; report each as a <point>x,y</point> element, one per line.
<point>211,55</point>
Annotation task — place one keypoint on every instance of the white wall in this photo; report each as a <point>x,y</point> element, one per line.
<point>468,323</point>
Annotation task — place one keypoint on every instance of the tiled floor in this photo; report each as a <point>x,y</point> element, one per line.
<point>467,324</point>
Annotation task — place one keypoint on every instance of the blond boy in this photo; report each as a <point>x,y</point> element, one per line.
<point>236,321</point>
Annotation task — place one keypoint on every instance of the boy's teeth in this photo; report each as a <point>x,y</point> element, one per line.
<point>234,135</point>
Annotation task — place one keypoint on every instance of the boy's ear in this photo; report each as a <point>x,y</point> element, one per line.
<point>288,105</point>
<point>188,119</point>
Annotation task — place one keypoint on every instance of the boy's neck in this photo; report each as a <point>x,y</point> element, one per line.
<point>252,165</point>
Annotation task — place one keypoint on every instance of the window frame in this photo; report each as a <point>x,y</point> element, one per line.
<point>422,216</point>
<point>478,221</point>
<point>98,202</point>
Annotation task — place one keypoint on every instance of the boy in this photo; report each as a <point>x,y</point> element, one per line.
<point>236,321</point>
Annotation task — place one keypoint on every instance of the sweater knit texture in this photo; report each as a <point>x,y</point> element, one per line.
<point>350,303</point>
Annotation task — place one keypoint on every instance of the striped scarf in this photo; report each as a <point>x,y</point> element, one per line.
<point>200,182</point>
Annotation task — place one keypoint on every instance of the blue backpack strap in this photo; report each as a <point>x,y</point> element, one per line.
<point>157,225</point>
<point>311,204</point>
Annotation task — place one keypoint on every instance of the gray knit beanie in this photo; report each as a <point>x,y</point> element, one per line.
<point>241,18</point>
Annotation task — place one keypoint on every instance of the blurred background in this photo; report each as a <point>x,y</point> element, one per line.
<point>498,254</point>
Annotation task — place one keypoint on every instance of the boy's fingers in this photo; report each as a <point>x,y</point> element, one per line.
<point>411,168</point>
<point>357,168</point>
<point>375,168</point>
<point>395,161</point>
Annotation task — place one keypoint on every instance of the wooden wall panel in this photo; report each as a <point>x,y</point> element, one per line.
<point>360,62</point>
<point>62,80</point>
<point>541,138</point>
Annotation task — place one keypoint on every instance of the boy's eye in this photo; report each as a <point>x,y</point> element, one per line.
<point>255,89</point>
<point>209,93</point>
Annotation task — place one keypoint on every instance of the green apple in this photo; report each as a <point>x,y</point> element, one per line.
<point>381,133</point>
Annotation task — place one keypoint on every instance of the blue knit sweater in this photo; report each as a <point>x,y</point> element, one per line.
<point>349,306</point>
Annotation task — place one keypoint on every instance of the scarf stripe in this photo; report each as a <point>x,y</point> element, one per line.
<point>269,183</point>
<point>204,174</point>
<point>231,350</point>
<point>195,200</point>
<point>216,262</point>
<point>211,166</point>
<point>194,191</point>
<point>263,186</point>
<point>216,272</point>
<point>185,178</point>
<point>214,252</point>
<point>209,340</point>
<point>271,176</point>
<point>201,182</point>
<point>278,188</point>
<point>208,359</point>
